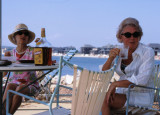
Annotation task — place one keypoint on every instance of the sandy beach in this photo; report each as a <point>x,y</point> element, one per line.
<point>32,108</point>
<point>35,108</point>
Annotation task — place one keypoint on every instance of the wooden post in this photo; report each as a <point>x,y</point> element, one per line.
<point>0,59</point>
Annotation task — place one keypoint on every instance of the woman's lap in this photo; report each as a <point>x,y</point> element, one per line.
<point>30,90</point>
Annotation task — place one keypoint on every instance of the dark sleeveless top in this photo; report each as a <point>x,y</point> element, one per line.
<point>123,66</point>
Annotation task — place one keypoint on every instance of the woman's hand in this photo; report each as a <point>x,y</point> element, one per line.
<point>7,54</point>
<point>111,91</point>
<point>113,53</point>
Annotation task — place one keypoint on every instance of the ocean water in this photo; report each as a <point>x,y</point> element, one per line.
<point>86,62</point>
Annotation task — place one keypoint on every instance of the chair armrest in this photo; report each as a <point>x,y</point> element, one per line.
<point>130,88</point>
<point>138,86</point>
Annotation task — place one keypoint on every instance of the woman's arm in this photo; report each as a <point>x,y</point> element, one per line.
<point>8,53</point>
<point>4,74</point>
<point>112,88</point>
<point>112,54</point>
<point>122,83</point>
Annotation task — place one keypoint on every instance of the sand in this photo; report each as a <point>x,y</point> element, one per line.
<point>24,109</point>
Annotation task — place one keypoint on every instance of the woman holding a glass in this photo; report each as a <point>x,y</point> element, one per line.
<point>137,69</point>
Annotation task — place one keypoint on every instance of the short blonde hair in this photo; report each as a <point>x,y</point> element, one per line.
<point>128,21</point>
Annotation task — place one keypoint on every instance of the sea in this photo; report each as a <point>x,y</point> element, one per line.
<point>90,63</point>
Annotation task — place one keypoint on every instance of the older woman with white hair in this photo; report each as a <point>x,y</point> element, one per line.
<point>137,69</point>
<point>21,37</point>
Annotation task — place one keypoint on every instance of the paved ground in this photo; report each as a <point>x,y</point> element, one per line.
<point>32,106</point>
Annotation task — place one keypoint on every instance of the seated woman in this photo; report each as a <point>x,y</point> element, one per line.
<point>137,69</point>
<point>20,37</point>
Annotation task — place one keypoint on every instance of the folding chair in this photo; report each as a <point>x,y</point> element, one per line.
<point>45,84</point>
<point>87,95</point>
<point>156,90</point>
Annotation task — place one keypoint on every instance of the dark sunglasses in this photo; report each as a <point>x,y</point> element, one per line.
<point>128,34</point>
<point>26,33</point>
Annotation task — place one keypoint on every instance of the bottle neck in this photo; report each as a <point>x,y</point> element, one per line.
<point>43,41</point>
<point>43,33</point>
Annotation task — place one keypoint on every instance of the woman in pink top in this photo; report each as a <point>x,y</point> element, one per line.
<point>20,37</point>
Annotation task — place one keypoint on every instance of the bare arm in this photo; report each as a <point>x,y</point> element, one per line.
<point>6,54</point>
<point>112,88</point>
<point>112,54</point>
<point>4,74</point>
<point>122,83</point>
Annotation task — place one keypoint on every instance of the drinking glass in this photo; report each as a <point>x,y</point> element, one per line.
<point>100,67</point>
<point>123,51</point>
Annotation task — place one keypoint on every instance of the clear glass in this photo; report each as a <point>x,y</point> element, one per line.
<point>100,67</point>
<point>123,51</point>
<point>45,43</point>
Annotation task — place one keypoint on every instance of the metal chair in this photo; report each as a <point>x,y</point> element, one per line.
<point>87,93</point>
<point>156,91</point>
<point>45,83</point>
<point>91,90</point>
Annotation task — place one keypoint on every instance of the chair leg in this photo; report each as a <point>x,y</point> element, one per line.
<point>50,110</point>
<point>58,97</point>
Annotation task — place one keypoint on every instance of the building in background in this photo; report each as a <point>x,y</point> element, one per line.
<point>62,50</point>
<point>156,48</point>
<point>86,49</point>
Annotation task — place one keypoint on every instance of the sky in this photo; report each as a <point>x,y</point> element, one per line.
<point>79,22</point>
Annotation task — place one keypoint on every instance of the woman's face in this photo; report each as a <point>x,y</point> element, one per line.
<point>130,37</point>
<point>22,37</point>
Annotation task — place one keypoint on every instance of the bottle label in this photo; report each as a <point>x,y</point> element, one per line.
<point>38,56</point>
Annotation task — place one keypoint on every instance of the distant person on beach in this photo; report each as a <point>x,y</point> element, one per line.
<point>21,37</point>
<point>137,69</point>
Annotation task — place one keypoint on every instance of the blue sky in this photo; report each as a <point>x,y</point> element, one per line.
<point>79,22</point>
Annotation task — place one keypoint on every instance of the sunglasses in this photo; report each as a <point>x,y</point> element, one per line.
<point>26,33</point>
<point>128,34</point>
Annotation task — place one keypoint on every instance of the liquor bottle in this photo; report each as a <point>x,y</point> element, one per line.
<point>43,50</point>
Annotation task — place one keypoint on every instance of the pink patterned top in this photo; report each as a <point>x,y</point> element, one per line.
<point>28,76</point>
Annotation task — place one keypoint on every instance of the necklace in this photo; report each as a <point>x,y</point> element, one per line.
<point>20,52</point>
